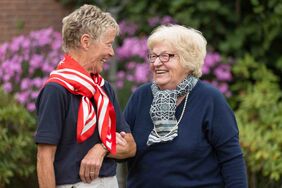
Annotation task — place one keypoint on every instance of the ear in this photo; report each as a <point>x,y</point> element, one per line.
<point>85,41</point>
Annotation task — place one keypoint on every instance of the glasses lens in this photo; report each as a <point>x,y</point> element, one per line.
<point>152,58</point>
<point>164,57</point>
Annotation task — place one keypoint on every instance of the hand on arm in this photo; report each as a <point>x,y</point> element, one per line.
<point>45,167</point>
<point>91,163</point>
<point>126,146</point>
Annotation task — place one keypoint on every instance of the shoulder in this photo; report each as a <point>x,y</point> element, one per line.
<point>109,88</point>
<point>204,86</point>
<point>52,92</point>
<point>144,89</point>
<point>141,95</point>
<point>107,85</point>
<point>53,87</point>
<point>207,91</point>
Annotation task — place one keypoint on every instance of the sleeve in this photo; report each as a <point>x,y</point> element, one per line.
<point>130,111</point>
<point>224,137</point>
<point>121,124</point>
<point>233,170</point>
<point>50,105</point>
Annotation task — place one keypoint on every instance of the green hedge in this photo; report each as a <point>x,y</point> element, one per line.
<point>259,110</point>
<point>17,149</point>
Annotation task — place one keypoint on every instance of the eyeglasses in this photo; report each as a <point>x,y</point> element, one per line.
<point>164,57</point>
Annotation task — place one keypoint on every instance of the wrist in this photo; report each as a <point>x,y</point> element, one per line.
<point>105,149</point>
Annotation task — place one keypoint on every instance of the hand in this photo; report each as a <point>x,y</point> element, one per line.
<point>120,138</point>
<point>91,163</point>
<point>125,147</point>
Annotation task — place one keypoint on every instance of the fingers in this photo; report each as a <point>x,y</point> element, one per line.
<point>120,139</point>
<point>91,164</point>
<point>88,171</point>
<point>122,133</point>
<point>82,172</point>
<point>92,173</point>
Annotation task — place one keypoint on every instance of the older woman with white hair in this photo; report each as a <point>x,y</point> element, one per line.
<point>186,133</point>
<point>81,130</point>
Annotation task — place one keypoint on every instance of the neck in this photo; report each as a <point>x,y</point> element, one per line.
<point>78,56</point>
<point>179,100</point>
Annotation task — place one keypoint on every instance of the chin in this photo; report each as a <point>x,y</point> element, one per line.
<point>98,71</point>
<point>165,85</point>
<point>161,81</point>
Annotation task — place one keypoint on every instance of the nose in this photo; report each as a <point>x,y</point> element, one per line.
<point>111,52</point>
<point>157,62</point>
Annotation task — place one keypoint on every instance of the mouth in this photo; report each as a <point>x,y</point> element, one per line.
<point>160,71</point>
<point>103,61</point>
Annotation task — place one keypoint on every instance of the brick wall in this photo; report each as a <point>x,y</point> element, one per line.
<point>22,16</point>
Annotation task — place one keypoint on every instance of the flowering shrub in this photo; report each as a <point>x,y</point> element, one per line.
<point>25,63</point>
<point>217,73</point>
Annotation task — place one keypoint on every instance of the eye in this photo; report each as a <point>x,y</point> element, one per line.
<point>152,56</point>
<point>164,55</point>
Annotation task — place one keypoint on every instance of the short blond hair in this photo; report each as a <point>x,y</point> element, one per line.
<point>188,43</point>
<point>88,19</point>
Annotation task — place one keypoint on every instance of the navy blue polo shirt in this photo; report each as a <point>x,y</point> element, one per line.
<point>205,154</point>
<point>57,111</point>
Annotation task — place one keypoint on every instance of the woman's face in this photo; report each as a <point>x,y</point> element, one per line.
<point>167,75</point>
<point>100,51</point>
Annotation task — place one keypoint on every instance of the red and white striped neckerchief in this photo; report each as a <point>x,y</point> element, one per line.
<point>71,75</point>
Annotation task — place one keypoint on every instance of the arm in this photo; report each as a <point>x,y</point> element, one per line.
<point>224,137</point>
<point>92,162</point>
<point>45,168</point>
<point>233,167</point>
<point>126,146</point>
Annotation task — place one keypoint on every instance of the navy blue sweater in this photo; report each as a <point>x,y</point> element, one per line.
<point>206,152</point>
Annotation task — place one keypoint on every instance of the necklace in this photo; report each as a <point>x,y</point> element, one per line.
<point>176,125</point>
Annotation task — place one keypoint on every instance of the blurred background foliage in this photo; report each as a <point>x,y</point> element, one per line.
<point>17,147</point>
<point>244,62</point>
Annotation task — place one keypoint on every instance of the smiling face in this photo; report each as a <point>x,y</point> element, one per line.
<point>169,74</point>
<point>99,52</point>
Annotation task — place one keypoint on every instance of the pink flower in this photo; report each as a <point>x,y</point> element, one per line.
<point>142,73</point>
<point>205,69</point>
<point>212,59</point>
<point>127,28</point>
<point>167,20</point>
<point>26,62</point>
<point>132,47</point>
<point>31,106</point>
<point>7,87</point>
<point>120,75</point>
<point>223,72</point>
<point>153,21</point>
<point>119,84</point>
<point>25,84</point>
<point>22,97</point>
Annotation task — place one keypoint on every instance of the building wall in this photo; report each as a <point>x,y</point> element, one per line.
<point>22,16</point>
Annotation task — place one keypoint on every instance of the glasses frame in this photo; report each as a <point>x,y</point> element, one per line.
<point>163,57</point>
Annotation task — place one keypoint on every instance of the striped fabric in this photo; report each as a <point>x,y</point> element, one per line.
<point>76,80</point>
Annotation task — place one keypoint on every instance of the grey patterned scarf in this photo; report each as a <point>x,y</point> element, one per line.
<point>162,110</point>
